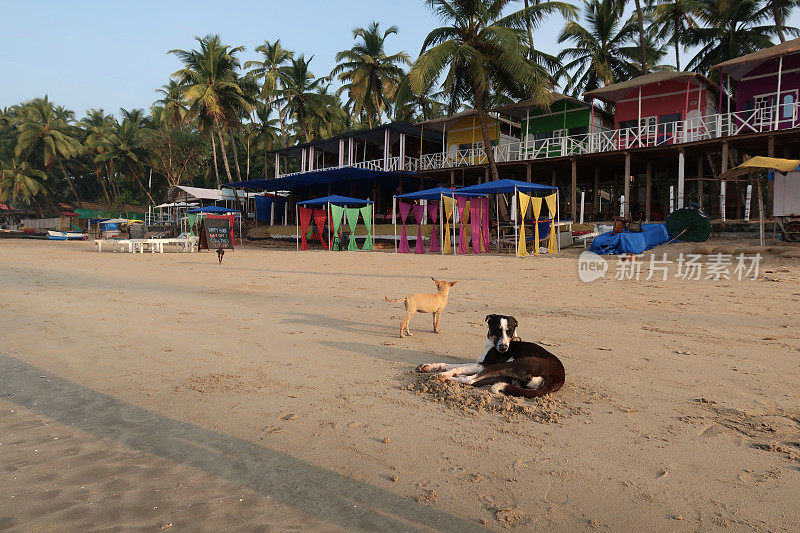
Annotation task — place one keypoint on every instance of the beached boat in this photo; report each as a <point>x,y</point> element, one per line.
<point>65,235</point>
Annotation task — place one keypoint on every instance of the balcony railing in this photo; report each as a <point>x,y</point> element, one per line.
<point>646,136</point>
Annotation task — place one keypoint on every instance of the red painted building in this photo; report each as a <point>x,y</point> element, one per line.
<point>658,103</point>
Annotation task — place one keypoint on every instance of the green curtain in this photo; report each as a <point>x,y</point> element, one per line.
<point>352,221</point>
<point>337,213</point>
<point>366,214</point>
<point>191,217</point>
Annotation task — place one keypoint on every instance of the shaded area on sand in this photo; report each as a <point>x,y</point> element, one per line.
<point>311,489</point>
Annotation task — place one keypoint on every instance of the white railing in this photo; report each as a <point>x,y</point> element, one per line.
<point>652,135</point>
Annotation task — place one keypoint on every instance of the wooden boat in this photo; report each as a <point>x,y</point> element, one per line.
<point>65,235</point>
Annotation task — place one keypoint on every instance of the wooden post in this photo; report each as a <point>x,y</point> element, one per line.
<point>341,153</point>
<point>386,149</point>
<point>648,191</point>
<point>303,158</point>
<point>770,183</point>
<point>700,182</point>
<point>350,149</point>
<point>310,161</point>
<point>277,165</point>
<point>626,187</point>
<point>597,193</point>
<point>452,178</point>
<point>723,183</point>
<point>555,175</point>
<point>402,165</point>
<point>681,176</point>
<point>573,190</point>
<point>486,175</point>
<point>528,172</point>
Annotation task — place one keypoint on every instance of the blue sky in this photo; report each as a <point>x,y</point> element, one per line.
<point>111,54</point>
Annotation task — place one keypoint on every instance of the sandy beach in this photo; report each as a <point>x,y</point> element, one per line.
<point>164,392</point>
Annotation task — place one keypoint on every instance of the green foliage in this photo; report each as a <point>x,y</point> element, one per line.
<point>175,154</point>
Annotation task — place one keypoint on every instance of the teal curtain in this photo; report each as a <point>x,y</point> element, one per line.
<point>352,221</point>
<point>366,214</point>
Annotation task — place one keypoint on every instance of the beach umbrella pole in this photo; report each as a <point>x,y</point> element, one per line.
<point>516,221</point>
<point>394,220</point>
<point>441,224</point>
<point>330,217</point>
<point>297,225</point>
<point>497,219</point>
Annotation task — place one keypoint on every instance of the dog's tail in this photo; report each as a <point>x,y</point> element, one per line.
<point>514,390</point>
<point>394,301</point>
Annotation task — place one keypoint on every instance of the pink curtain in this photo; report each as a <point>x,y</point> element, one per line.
<point>461,204</point>
<point>305,220</point>
<point>320,216</point>
<point>418,211</point>
<point>405,209</point>
<point>433,212</point>
<point>475,217</point>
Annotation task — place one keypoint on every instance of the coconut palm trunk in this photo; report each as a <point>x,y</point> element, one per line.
<point>487,143</point>
<point>214,150</point>
<point>69,182</point>
<point>640,24</point>
<point>675,41</point>
<point>224,153</point>
<point>235,154</point>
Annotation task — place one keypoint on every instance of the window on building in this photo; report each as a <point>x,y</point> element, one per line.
<point>627,124</point>
<point>787,105</point>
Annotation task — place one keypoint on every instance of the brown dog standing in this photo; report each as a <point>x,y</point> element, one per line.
<point>425,303</point>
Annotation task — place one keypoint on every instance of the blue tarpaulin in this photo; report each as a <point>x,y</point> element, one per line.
<point>505,186</point>
<point>651,236</point>
<point>435,194</point>
<point>318,177</point>
<point>214,209</point>
<point>335,200</point>
<point>264,207</point>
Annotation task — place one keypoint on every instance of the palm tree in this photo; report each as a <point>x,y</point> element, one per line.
<point>97,125</point>
<point>534,19</point>
<point>213,89</point>
<point>173,103</point>
<point>423,105</point>
<point>267,130</point>
<point>122,145</point>
<point>482,51</point>
<point>598,54</point>
<point>781,9</point>
<point>267,70</point>
<point>19,182</point>
<point>370,76</point>
<point>43,130</point>
<point>300,95</point>
<point>730,29</point>
<point>671,20</point>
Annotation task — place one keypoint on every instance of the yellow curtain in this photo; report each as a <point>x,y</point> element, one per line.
<point>552,244</point>
<point>522,247</point>
<point>537,208</point>
<point>449,206</point>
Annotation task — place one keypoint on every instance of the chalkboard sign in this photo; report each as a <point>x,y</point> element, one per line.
<point>215,234</point>
<point>136,231</point>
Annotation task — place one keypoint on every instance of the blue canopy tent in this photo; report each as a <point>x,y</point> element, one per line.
<point>429,194</point>
<point>327,201</point>
<point>506,186</point>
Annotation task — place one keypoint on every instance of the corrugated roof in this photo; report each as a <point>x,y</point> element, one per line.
<point>533,103</point>
<point>617,91</point>
<point>739,66</point>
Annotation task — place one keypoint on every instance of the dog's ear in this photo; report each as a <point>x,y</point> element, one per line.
<point>513,323</point>
<point>434,279</point>
<point>488,317</point>
<point>452,283</point>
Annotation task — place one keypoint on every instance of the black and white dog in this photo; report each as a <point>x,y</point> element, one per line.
<point>518,368</point>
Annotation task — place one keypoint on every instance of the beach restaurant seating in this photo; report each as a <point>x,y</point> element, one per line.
<point>183,243</point>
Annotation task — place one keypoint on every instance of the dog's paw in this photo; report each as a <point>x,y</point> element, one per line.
<point>498,388</point>
<point>430,367</point>
<point>442,377</point>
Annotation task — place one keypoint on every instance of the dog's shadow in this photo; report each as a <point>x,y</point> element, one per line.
<point>394,353</point>
<point>340,324</point>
